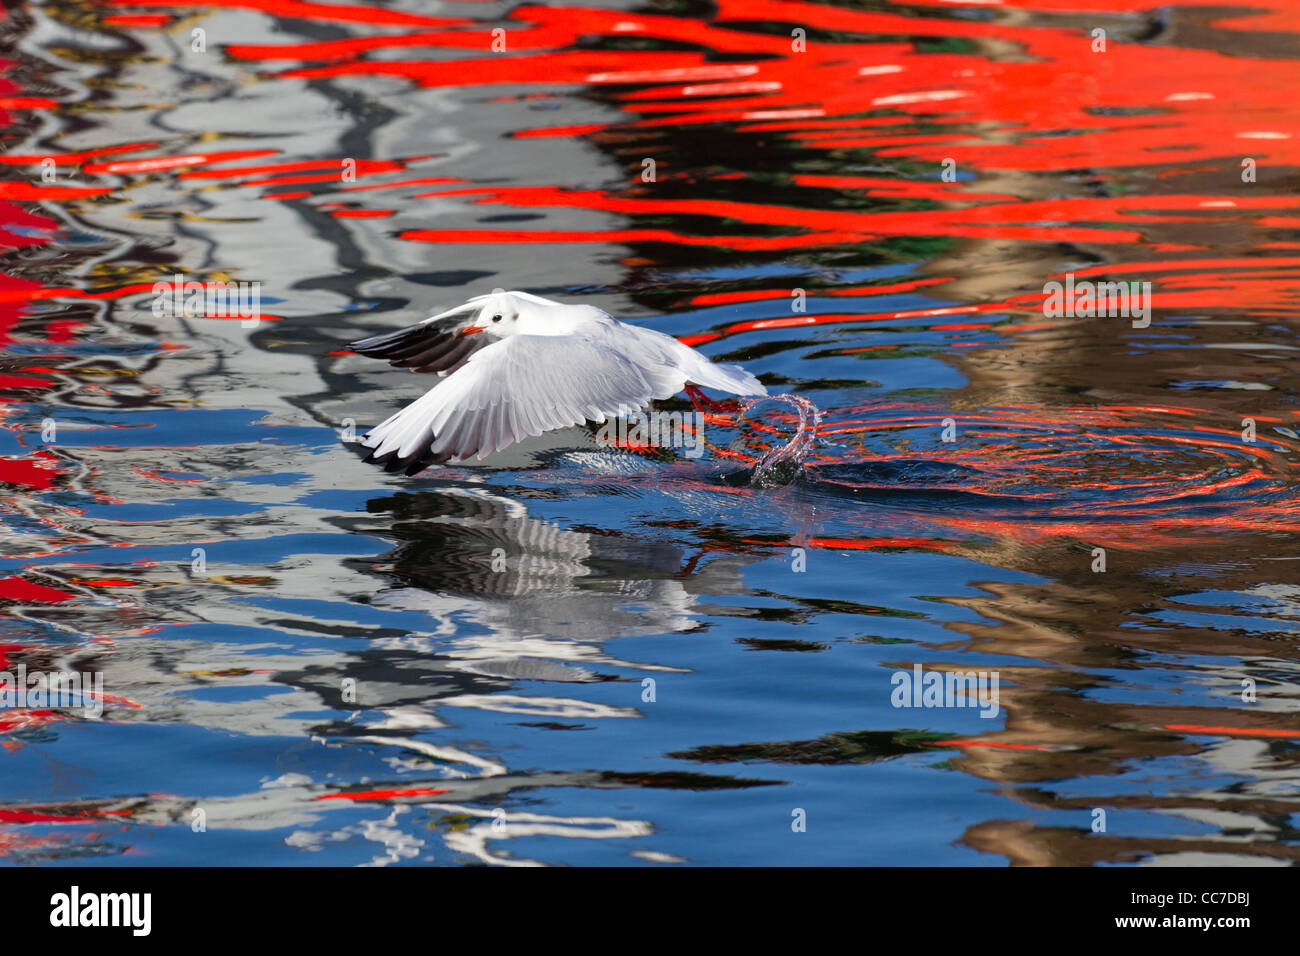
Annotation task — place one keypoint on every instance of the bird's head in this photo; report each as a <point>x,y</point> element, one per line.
<point>497,315</point>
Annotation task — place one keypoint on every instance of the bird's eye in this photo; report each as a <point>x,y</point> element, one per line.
<point>496,318</point>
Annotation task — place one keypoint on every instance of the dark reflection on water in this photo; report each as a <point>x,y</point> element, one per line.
<point>578,654</point>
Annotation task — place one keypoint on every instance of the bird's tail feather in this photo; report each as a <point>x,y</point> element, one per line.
<point>727,378</point>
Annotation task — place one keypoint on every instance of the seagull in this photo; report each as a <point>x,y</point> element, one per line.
<point>512,364</point>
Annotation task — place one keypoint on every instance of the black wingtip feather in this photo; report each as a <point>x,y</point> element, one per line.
<point>382,346</point>
<point>425,348</point>
<point>414,463</point>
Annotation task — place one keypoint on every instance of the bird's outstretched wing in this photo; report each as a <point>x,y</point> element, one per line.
<point>515,387</point>
<point>442,342</point>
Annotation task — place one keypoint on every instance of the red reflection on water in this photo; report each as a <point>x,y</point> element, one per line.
<point>20,589</point>
<point>388,794</point>
<point>1233,731</point>
<point>1202,104</point>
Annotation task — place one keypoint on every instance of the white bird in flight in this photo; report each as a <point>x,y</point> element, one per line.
<point>511,364</point>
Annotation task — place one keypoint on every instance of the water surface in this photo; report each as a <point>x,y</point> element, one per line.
<point>307,661</point>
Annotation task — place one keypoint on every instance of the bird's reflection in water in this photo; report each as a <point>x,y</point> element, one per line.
<point>544,594</point>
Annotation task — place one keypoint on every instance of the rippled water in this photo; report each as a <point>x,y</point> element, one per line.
<point>305,660</point>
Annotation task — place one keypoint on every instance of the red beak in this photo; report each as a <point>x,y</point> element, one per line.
<point>471,329</point>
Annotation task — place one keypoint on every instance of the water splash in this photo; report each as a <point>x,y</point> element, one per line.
<point>784,463</point>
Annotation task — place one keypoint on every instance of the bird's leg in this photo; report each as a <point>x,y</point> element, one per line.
<point>703,403</point>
